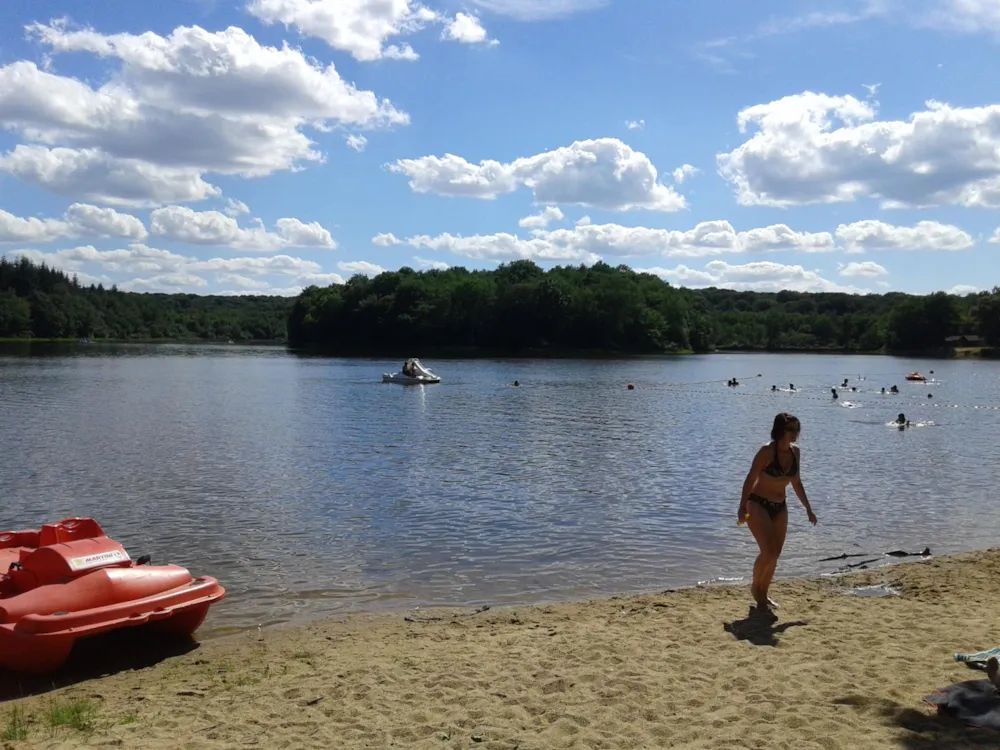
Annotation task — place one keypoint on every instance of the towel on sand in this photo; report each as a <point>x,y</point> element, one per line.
<point>978,660</point>
<point>976,702</point>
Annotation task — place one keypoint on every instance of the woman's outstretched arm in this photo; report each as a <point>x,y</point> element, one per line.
<point>800,491</point>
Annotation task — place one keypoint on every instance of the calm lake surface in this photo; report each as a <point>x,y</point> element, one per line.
<point>308,487</point>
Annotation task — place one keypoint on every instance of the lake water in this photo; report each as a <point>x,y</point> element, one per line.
<point>309,487</point>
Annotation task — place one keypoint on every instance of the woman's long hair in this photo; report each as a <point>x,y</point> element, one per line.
<point>783,423</point>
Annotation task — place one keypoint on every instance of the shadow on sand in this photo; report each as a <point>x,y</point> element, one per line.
<point>118,651</point>
<point>923,729</point>
<point>759,627</point>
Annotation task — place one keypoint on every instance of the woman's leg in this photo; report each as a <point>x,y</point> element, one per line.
<point>761,527</point>
<point>779,529</point>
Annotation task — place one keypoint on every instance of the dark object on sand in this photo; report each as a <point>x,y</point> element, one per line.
<point>976,702</point>
<point>843,556</point>
<point>894,553</point>
<point>901,553</point>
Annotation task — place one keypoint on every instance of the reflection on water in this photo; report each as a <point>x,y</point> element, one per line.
<point>309,487</point>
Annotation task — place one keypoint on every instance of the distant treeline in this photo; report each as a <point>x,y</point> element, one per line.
<point>516,308</point>
<point>521,308</point>
<point>41,302</point>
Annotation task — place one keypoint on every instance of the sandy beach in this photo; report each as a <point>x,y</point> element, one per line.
<point>681,669</point>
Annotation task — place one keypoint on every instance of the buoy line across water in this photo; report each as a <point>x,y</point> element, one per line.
<point>804,393</point>
<point>895,399</point>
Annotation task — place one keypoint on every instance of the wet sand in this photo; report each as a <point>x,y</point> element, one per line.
<point>682,669</point>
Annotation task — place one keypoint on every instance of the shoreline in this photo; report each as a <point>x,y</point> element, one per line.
<point>679,668</point>
<point>463,353</point>
<point>118,342</point>
<point>393,607</point>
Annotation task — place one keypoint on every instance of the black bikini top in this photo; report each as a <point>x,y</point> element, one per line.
<point>774,468</point>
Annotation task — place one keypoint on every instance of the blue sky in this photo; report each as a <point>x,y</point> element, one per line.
<point>264,145</point>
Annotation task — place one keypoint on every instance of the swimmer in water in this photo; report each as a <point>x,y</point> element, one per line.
<point>774,387</point>
<point>834,392</point>
<point>762,502</point>
<point>791,386</point>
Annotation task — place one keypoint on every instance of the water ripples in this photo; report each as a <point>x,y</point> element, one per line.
<point>311,488</point>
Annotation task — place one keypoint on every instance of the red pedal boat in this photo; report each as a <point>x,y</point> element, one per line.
<point>68,580</point>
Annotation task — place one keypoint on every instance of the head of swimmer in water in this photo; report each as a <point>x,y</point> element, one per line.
<point>901,419</point>
<point>786,429</point>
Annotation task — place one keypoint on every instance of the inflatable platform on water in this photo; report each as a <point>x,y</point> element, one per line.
<point>421,376</point>
<point>68,580</point>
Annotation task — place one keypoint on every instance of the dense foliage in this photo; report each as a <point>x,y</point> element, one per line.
<point>41,302</point>
<point>520,307</point>
<point>516,308</point>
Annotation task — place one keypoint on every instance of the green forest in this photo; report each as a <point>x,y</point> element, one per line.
<point>521,307</point>
<point>40,302</point>
<point>517,308</point>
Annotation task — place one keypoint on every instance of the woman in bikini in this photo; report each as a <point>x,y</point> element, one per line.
<point>762,503</point>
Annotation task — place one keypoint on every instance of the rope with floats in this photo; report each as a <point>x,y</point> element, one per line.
<point>898,397</point>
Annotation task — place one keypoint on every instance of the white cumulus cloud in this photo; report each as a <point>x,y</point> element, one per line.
<point>360,266</point>
<point>364,28</point>
<point>178,108</point>
<point>759,276</point>
<point>80,220</point>
<point>864,270</point>
<point>359,27</point>
<point>432,265</point>
<point>140,267</point>
<point>242,282</point>
<point>91,174</point>
<point>924,235</point>
<point>386,240</point>
<point>683,172</point>
<point>542,219</point>
<point>814,148</point>
<point>588,243</point>
<point>183,224</point>
<point>170,283</point>
<point>236,208</point>
<point>356,142</point>
<point>503,247</point>
<point>962,290</point>
<point>466,29</point>
<point>603,173</point>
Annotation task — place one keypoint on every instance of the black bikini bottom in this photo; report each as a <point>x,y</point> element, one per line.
<point>773,509</point>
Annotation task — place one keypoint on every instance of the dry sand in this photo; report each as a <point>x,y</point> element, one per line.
<point>674,670</point>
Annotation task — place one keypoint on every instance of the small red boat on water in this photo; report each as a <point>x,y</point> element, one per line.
<point>68,580</point>
<point>916,376</point>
